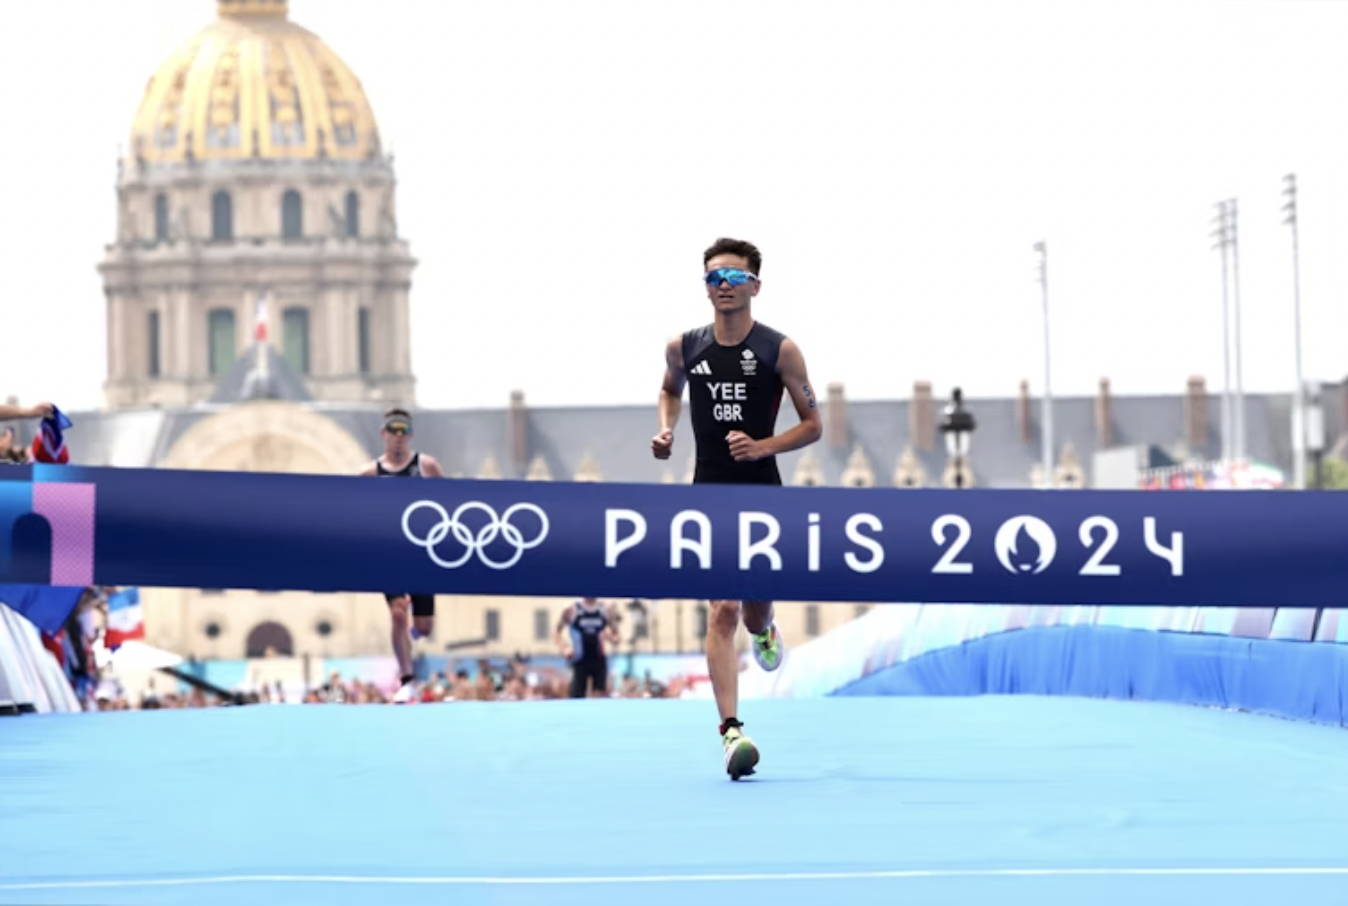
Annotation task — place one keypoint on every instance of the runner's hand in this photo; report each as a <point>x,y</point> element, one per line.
<point>661,444</point>
<point>744,448</point>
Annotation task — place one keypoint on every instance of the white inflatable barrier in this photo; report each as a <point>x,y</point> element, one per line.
<point>30,678</point>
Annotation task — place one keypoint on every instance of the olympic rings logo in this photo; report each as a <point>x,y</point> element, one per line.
<point>475,542</point>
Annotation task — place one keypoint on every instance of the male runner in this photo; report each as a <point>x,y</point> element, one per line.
<point>584,633</point>
<point>399,460</point>
<point>736,369</point>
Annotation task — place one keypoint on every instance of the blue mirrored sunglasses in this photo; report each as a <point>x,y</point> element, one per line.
<point>732,275</point>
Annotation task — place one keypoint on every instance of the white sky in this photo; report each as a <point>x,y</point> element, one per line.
<point>563,164</point>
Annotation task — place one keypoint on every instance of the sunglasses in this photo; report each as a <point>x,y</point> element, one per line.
<point>732,275</point>
<point>399,429</point>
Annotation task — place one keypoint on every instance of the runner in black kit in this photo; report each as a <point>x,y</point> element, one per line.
<point>401,461</point>
<point>736,369</point>
<point>584,632</point>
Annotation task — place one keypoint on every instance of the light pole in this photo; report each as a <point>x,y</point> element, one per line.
<point>1046,425</point>
<point>1223,242</point>
<point>1299,446</point>
<point>1315,435</point>
<point>1238,441</point>
<point>957,426</point>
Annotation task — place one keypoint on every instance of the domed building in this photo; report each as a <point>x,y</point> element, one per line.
<point>257,271</point>
<point>256,194</point>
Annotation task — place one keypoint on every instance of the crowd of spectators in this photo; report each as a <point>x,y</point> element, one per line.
<point>76,645</point>
<point>515,680</point>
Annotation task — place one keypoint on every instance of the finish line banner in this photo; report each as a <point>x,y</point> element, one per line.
<point>69,525</point>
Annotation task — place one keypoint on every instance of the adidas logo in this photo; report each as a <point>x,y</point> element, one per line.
<point>703,367</point>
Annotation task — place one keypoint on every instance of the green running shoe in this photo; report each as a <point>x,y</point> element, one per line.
<point>740,753</point>
<point>768,648</point>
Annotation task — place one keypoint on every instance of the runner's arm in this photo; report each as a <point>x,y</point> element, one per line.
<point>670,403</point>
<point>41,410</point>
<point>430,467</point>
<point>560,634</point>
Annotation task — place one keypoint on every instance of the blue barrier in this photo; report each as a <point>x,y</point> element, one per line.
<point>65,525</point>
<point>1305,680</point>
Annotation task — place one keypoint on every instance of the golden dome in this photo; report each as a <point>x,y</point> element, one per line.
<point>253,84</point>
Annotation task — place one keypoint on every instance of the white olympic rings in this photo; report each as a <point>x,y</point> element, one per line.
<point>475,543</point>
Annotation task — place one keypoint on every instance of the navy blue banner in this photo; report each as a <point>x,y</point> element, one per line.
<point>67,525</point>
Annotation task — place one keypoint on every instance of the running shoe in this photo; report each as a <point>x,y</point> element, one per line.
<point>768,648</point>
<point>407,692</point>
<point>740,753</point>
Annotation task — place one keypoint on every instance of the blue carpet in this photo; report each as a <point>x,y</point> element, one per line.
<point>952,800</point>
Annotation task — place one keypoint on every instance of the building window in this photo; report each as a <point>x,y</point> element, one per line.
<point>222,216</point>
<point>812,620</point>
<point>352,214</point>
<point>492,624</point>
<point>542,626</point>
<point>295,338</point>
<point>152,344</point>
<point>161,218</point>
<point>269,639</point>
<point>220,339</point>
<point>292,215</point>
<point>363,339</point>
<point>211,630</point>
<point>323,628</point>
<point>700,617</point>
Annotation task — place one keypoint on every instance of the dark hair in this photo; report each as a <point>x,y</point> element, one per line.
<point>392,412</point>
<point>746,250</point>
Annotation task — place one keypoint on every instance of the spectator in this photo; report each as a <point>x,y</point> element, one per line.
<point>515,690</point>
<point>333,690</point>
<point>461,689</point>
<point>484,690</point>
<point>82,630</point>
<point>11,451</point>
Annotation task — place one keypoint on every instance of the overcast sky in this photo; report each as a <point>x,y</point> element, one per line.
<point>562,164</point>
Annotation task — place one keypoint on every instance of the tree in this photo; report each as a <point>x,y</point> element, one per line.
<point>1335,473</point>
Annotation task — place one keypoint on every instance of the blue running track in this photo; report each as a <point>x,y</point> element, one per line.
<point>1006,800</point>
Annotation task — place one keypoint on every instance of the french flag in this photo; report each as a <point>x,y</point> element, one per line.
<point>50,443</point>
<point>125,620</point>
